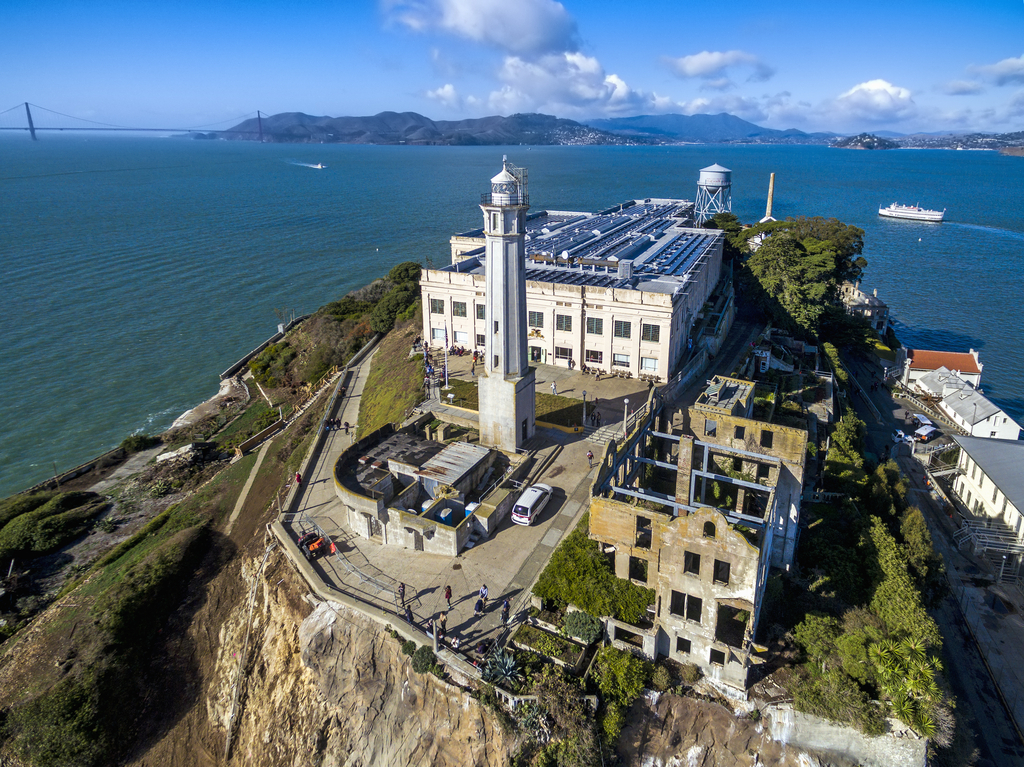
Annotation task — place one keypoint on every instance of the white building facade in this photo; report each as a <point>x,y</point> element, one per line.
<point>617,292</point>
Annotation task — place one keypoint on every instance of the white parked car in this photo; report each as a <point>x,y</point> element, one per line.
<point>899,437</point>
<point>531,504</point>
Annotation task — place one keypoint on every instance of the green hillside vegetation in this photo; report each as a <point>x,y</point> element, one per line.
<point>44,522</point>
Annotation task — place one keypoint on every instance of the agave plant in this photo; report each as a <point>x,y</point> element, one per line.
<point>503,669</point>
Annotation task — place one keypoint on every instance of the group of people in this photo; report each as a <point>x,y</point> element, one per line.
<point>439,626</point>
<point>337,424</point>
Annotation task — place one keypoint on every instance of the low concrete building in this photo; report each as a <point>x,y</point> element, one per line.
<point>406,491</point>
<point>918,362</point>
<point>866,306</point>
<point>966,406</point>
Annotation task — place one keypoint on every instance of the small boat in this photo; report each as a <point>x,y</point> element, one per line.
<point>318,165</point>
<point>912,212</point>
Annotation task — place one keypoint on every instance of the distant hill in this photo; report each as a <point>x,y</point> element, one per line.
<point>413,128</point>
<point>705,129</point>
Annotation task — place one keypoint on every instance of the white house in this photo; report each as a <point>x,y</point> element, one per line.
<point>966,406</point>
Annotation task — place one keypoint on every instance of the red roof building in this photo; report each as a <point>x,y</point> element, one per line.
<point>922,361</point>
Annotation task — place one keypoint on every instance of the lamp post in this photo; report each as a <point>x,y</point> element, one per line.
<point>584,409</point>
<point>625,416</point>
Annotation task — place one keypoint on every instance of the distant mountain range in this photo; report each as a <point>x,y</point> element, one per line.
<point>537,129</point>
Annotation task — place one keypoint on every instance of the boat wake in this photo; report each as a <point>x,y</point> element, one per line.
<point>991,230</point>
<point>318,166</point>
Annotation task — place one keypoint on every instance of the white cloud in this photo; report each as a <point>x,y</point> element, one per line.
<point>875,101</point>
<point>446,95</point>
<point>520,27</point>
<point>566,84</point>
<point>1005,72</point>
<point>712,66</point>
<point>962,88</point>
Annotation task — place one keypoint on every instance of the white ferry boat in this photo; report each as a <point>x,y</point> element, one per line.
<point>913,212</point>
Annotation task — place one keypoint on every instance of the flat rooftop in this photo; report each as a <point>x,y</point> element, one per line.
<point>408,449</point>
<point>724,393</point>
<point>574,248</point>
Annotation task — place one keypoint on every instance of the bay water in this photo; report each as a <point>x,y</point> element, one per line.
<point>135,270</point>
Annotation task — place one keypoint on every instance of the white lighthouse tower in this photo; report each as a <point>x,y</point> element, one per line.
<point>507,384</point>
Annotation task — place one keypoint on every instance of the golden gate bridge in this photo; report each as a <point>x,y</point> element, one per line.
<point>20,118</point>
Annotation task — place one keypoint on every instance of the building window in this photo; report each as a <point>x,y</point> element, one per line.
<point>710,427</point>
<point>691,563</point>
<point>995,492</point>
<point>638,569</point>
<point>563,353</point>
<point>595,326</point>
<point>481,340</point>
<point>620,360</point>
<point>458,309</point>
<point>594,357</point>
<point>481,312</point>
<point>437,334</point>
<point>644,532</point>
<point>762,471</point>
<point>462,337</point>
<point>740,433</point>
<point>494,221</point>
<point>650,332</point>
<point>437,306</point>
<point>649,364</point>
<point>721,573</point>
<point>563,322</point>
<point>766,438</point>
<point>717,657</point>
<point>495,326</point>
<point>709,530</point>
<point>623,329</point>
<point>535,320</point>
<point>682,645</point>
<point>678,604</point>
<point>693,608</point>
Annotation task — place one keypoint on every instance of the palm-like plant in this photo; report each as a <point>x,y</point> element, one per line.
<point>503,669</point>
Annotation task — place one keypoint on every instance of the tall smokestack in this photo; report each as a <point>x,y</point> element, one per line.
<point>771,194</point>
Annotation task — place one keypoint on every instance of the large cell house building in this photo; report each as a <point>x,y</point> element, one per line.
<point>616,291</point>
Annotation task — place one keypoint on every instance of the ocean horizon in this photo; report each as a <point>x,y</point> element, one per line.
<point>138,269</point>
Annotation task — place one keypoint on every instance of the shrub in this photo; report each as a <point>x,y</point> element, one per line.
<point>582,625</point>
<point>690,673</point>
<point>621,675</point>
<point>661,678</point>
<point>612,722</point>
<point>409,647</point>
<point>407,271</point>
<point>423,659</point>
<point>139,442</point>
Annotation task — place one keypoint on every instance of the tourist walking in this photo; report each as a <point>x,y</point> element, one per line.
<point>401,593</point>
<point>298,479</point>
<point>590,459</point>
<point>483,594</point>
<point>554,388</point>
<point>448,595</point>
<point>506,608</point>
<point>408,614</point>
<point>478,609</point>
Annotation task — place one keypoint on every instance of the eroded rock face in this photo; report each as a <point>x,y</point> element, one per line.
<point>329,686</point>
<point>673,730</point>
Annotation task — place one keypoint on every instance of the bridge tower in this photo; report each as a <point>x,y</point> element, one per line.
<point>507,385</point>
<point>714,192</point>
<point>31,125</point>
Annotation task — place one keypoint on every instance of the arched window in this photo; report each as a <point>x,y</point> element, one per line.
<point>709,530</point>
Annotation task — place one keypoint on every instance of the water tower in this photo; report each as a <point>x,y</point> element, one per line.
<point>714,192</point>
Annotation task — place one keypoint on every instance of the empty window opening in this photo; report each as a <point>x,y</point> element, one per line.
<point>740,433</point>
<point>691,563</point>
<point>678,604</point>
<point>763,471</point>
<point>693,608</point>
<point>731,625</point>
<point>766,438</point>
<point>638,569</point>
<point>682,645</point>
<point>643,532</point>
<point>717,657</point>
<point>709,530</point>
<point>710,427</point>
<point>721,573</point>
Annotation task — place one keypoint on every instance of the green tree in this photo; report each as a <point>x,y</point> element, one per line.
<point>621,675</point>
<point>406,272</point>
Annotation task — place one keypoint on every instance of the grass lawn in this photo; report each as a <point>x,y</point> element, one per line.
<point>553,409</point>
<point>395,383</point>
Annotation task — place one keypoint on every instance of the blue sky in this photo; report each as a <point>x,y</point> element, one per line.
<point>845,67</point>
